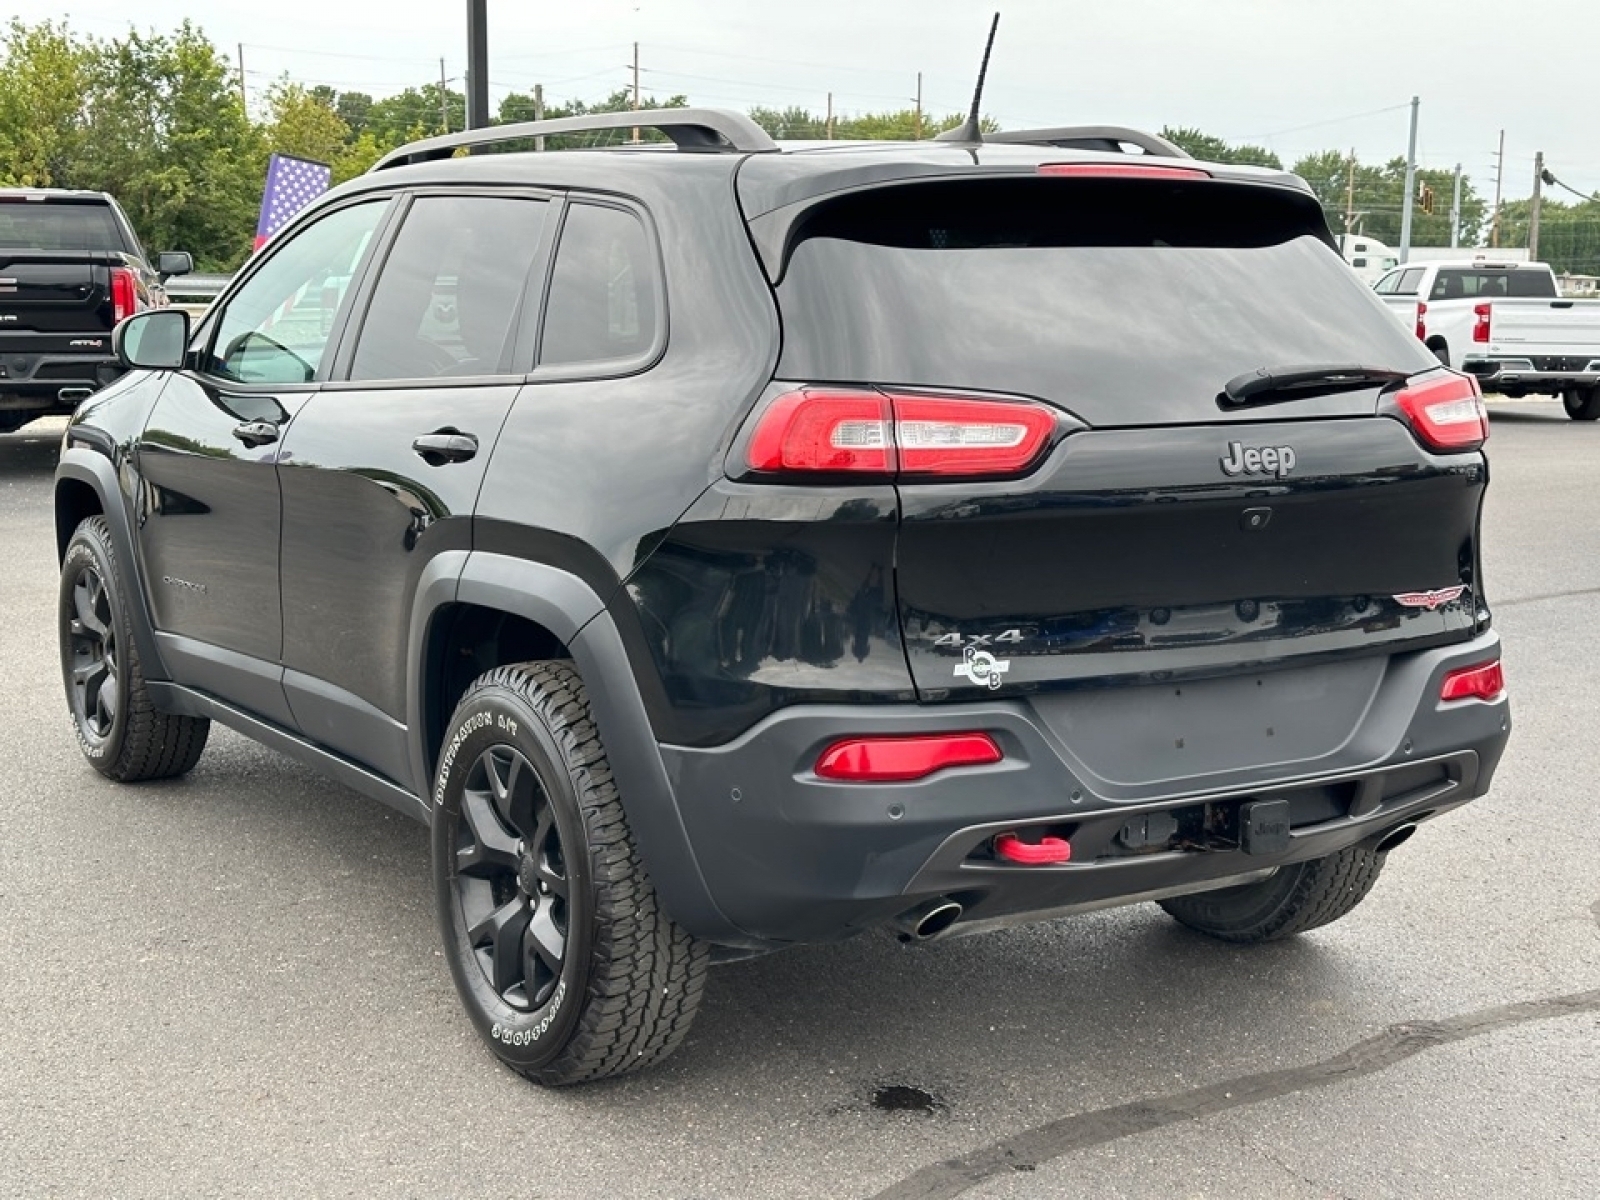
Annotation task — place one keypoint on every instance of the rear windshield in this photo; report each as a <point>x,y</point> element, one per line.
<point>1122,301</point>
<point>1454,285</point>
<point>39,225</point>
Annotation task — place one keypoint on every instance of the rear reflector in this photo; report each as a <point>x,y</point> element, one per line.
<point>1122,171</point>
<point>123,296</point>
<point>1446,411</point>
<point>1483,682</point>
<point>1480,323</point>
<point>1046,850</point>
<point>870,432</point>
<point>898,759</point>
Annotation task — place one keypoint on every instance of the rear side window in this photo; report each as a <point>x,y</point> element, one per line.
<point>1122,301</point>
<point>37,225</point>
<point>1409,282</point>
<point>604,292</point>
<point>447,300</point>
<point>1463,284</point>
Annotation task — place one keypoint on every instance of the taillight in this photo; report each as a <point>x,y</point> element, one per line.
<point>1092,170</point>
<point>1483,682</point>
<point>834,430</point>
<point>1422,321</point>
<point>1446,411</point>
<point>900,759</point>
<point>124,298</point>
<point>1480,324</point>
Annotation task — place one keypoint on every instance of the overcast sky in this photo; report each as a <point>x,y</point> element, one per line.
<point>1295,75</point>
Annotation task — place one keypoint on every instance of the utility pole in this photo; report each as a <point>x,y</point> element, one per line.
<point>477,63</point>
<point>830,116</point>
<point>1455,212</point>
<point>918,135</point>
<point>1533,206</point>
<point>538,113</point>
<point>244,100</point>
<point>1411,185</point>
<point>1499,176</point>
<point>444,99</point>
<point>1350,194</point>
<point>636,89</point>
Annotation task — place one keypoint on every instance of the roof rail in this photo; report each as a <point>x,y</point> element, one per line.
<point>1091,137</point>
<point>702,129</point>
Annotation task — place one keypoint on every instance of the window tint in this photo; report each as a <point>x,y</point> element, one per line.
<point>1410,281</point>
<point>1451,285</point>
<point>68,227</point>
<point>448,296</point>
<point>602,305</point>
<point>276,327</point>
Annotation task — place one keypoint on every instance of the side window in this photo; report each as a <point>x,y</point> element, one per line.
<point>1410,281</point>
<point>1358,262</point>
<point>603,293</point>
<point>447,299</point>
<point>275,328</point>
<point>1386,285</point>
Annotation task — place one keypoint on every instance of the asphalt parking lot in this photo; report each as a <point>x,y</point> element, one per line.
<point>229,985</point>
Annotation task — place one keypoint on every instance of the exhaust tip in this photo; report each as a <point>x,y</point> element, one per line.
<point>928,920</point>
<point>74,395</point>
<point>1397,836</point>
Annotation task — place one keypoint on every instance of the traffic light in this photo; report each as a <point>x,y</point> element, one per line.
<point>1425,195</point>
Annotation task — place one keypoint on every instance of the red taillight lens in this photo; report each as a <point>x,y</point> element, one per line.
<point>1122,171</point>
<point>846,430</point>
<point>1446,411</point>
<point>1483,682</point>
<point>1480,324</point>
<point>899,759</point>
<point>824,430</point>
<point>1422,321</point>
<point>124,299</point>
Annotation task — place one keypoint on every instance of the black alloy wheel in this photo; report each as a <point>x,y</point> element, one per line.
<point>91,645</point>
<point>511,883</point>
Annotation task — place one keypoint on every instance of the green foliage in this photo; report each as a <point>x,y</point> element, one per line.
<point>41,102</point>
<point>1377,200</point>
<point>1569,234</point>
<point>904,125</point>
<point>1214,149</point>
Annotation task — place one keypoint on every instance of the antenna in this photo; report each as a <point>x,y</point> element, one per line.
<point>970,131</point>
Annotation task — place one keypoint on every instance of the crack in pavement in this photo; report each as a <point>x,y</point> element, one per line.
<point>1516,600</point>
<point>1026,1150</point>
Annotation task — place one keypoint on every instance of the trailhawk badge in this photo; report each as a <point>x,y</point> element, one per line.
<point>1430,600</point>
<point>982,667</point>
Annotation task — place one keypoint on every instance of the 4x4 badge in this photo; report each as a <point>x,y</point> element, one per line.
<point>1430,600</point>
<point>982,667</point>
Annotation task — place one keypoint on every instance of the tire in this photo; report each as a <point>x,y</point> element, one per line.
<point>119,728</point>
<point>1582,404</point>
<point>1441,352</point>
<point>1292,900</point>
<point>559,949</point>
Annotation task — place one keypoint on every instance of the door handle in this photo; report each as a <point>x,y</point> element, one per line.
<point>446,446</point>
<point>256,433</point>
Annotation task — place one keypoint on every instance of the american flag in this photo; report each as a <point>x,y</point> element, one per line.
<point>292,183</point>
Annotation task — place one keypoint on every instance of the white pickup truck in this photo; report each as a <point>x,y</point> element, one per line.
<point>1505,323</point>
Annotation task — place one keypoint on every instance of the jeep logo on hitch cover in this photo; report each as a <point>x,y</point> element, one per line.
<point>1258,460</point>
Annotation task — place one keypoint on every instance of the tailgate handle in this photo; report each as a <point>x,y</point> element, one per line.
<point>256,433</point>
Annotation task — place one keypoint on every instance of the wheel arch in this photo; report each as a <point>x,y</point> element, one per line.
<point>86,486</point>
<point>1440,348</point>
<point>518,609</point>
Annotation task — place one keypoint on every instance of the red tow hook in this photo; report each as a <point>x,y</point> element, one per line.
<point>1046,850</point>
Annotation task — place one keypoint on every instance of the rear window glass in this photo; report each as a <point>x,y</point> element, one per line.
<point>1122,302</point>
<point>35,225</point>
<point>1455,285</point>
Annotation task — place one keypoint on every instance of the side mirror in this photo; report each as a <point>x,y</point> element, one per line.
<point>174,262</point>
<point>156,340</point>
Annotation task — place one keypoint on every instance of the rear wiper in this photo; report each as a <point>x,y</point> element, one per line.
<point>1278,385</point>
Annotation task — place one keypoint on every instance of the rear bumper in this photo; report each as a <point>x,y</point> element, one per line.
<point>1528,374</point>
<point>38,381</point>
<point>791,857</point>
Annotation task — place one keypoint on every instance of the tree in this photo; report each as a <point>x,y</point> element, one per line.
<point>42,79</point>
<point>1214,149</point>
<point>903,125</point>
<point>1378,196</point>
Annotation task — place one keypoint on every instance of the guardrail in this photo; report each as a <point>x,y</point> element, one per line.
<point>194,293</point>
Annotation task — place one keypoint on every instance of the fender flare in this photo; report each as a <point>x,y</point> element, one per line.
<point>573,611</point>
<point>86,466</point>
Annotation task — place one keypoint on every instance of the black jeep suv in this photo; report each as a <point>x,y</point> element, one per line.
<point>725,547</point>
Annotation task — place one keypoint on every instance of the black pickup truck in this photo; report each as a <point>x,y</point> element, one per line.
<point>70,269</point>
